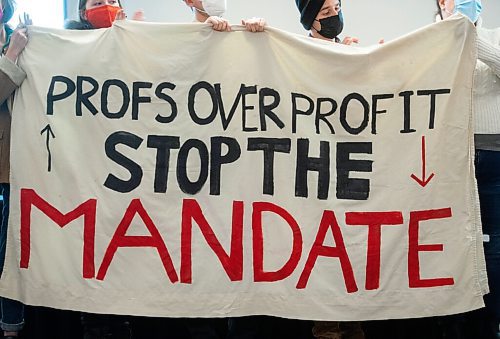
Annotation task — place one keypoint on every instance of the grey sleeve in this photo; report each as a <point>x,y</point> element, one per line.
<point>14,72</point>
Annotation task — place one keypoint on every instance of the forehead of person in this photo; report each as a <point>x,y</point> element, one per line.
<point>329,8</point>
<point>311,10</point>
<point>88,4</point>
<point>98,3</point>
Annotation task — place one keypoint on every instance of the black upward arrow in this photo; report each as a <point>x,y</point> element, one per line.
<point>48,129</point>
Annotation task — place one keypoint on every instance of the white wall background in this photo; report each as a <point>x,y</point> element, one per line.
<point>369,20</point>
<point>48,13</point>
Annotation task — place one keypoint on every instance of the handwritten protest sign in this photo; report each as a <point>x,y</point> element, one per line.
<point>170,170</point>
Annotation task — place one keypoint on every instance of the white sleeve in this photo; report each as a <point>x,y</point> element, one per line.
<point>489,54</point>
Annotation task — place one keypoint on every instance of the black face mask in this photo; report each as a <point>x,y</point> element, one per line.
<point>332,26</point>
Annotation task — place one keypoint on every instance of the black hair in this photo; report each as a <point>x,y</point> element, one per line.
<point>81,23</point>
<point>439,12</point>
<point>9,7</point>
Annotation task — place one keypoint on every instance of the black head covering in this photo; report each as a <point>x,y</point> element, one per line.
<point>309,9</point>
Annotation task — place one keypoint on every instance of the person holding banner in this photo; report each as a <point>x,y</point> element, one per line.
<point>11,77</point>
<point>487,145</point>
<point>211,11</point>
<point>323,19</point>
<point>95,14</point>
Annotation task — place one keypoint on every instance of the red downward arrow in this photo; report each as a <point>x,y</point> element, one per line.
<point>422,181</point>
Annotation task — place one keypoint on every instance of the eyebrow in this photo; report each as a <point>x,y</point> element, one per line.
<point>334,5</point>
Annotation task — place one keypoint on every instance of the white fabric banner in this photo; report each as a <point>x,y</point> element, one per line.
<point>170,170</point>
